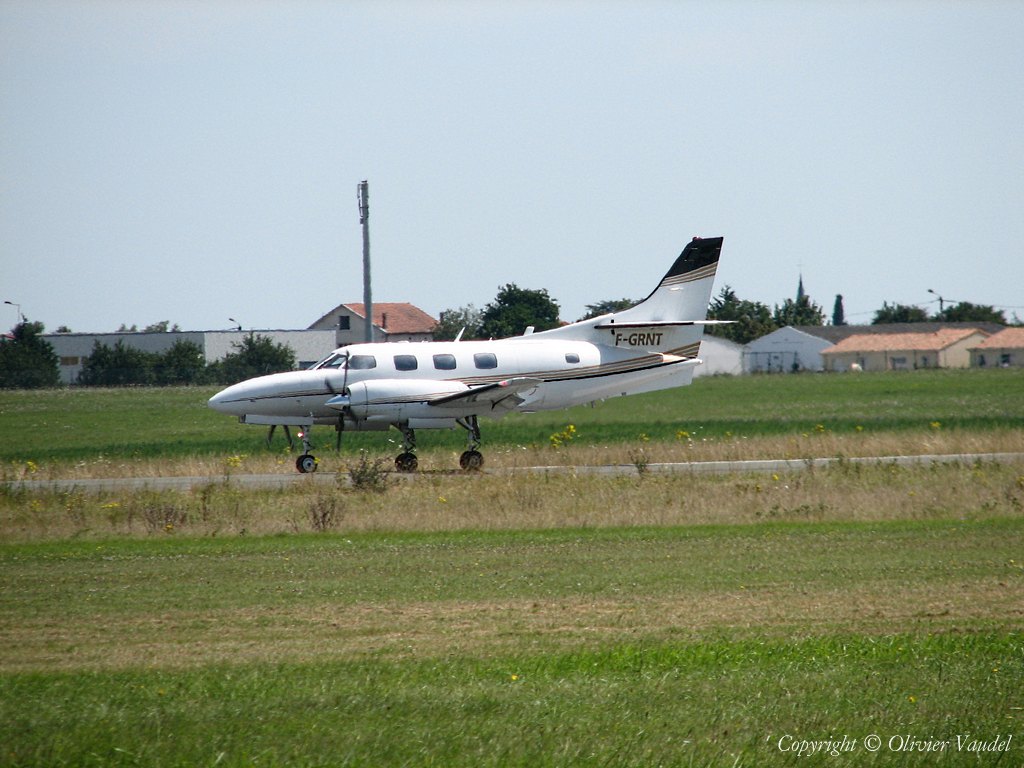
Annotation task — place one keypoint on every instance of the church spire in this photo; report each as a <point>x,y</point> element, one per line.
<point>800,295</point>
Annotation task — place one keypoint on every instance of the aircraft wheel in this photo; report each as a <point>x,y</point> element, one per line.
<point>471,460</point>
<point>306,463</point>
<point>406,462</point>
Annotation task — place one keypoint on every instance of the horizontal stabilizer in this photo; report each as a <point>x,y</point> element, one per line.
<point>662,323</point>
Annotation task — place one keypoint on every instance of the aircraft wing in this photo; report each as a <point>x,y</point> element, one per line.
<point>501,396</point>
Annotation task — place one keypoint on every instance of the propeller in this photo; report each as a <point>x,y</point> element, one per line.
<point>339,398</point>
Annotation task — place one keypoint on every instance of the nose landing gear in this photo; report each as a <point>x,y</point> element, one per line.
<point>307,462</point>
<point>406,461</point>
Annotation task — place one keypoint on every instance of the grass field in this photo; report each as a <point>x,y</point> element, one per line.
<point>924,411</point>
<point>870,614</point>
<point>639,646</point>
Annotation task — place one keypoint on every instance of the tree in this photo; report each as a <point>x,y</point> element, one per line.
<point>899,313</point>
<point>117,366</point>
<point>838,314</point>
<point>749,319</point>
<point>452,321</point>
<point>607,307</point>
<point>514,309</point>
<point>967,312</point>
<point>162,326</point>
<point>256,355</point>
<point>27,361</point>
<point>803,311</point>
<point>183,363</point>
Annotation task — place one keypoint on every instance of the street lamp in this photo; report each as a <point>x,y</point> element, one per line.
<point>236,323</point>
<point>941,300</point>
<point>18,308</point>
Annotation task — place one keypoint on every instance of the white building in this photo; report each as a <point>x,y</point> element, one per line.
<point>787,350</point>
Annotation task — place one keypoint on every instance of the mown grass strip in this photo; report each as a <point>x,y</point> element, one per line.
<point>195,601</point>
<point>720,701</point>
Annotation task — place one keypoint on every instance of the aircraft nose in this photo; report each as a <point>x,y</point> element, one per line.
<point>225,401</point>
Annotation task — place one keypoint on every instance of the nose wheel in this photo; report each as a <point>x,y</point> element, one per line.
<point>306,463</point>
<point>406,461</point>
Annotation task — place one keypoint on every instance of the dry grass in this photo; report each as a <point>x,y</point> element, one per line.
<point>815,444</point>
<point>506,501</point>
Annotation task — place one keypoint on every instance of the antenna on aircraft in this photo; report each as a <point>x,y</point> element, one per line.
<point>364,219</point>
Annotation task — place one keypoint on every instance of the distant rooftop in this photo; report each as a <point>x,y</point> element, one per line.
<point>1008,338</point>
<point>885,342</point>
<point>836,333</point>
<point>393,317</point>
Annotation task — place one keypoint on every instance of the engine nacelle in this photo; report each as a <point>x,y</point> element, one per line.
<point>395,400</point>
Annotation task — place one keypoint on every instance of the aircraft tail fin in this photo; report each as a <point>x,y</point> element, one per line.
<point>672,318</point>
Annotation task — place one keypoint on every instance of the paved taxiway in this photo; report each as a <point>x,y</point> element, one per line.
<point>100,485</point>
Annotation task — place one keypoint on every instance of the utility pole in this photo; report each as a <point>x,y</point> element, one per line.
<point>364,219</point>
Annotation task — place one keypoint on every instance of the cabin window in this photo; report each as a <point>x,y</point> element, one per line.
<point>362,362</point>
<point>572,357</point>
<point>406,363</point>
<point>485,360</point>
<point>444,362</point>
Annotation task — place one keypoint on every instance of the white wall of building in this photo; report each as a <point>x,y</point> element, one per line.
<point>784,351</point>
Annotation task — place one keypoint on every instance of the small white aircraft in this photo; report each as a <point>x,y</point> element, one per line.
<point>442,384</point>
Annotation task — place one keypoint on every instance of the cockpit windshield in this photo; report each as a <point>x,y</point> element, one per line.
<point>335,360</point>
<point>339,361</point>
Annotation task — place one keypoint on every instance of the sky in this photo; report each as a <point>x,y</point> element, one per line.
<point>195,161</point>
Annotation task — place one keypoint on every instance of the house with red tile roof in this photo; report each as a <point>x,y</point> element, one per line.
<point>392,321</point>
<point>943,348</point>
<point>799,347</point>
<point>1000,350</point>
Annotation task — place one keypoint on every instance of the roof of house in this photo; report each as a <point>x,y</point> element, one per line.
<point>1008,338</point>
<point>888,342</point>
<point>836,333</point>
<point>393,317</point>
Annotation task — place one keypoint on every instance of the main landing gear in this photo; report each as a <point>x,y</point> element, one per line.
<point>471,459</point>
